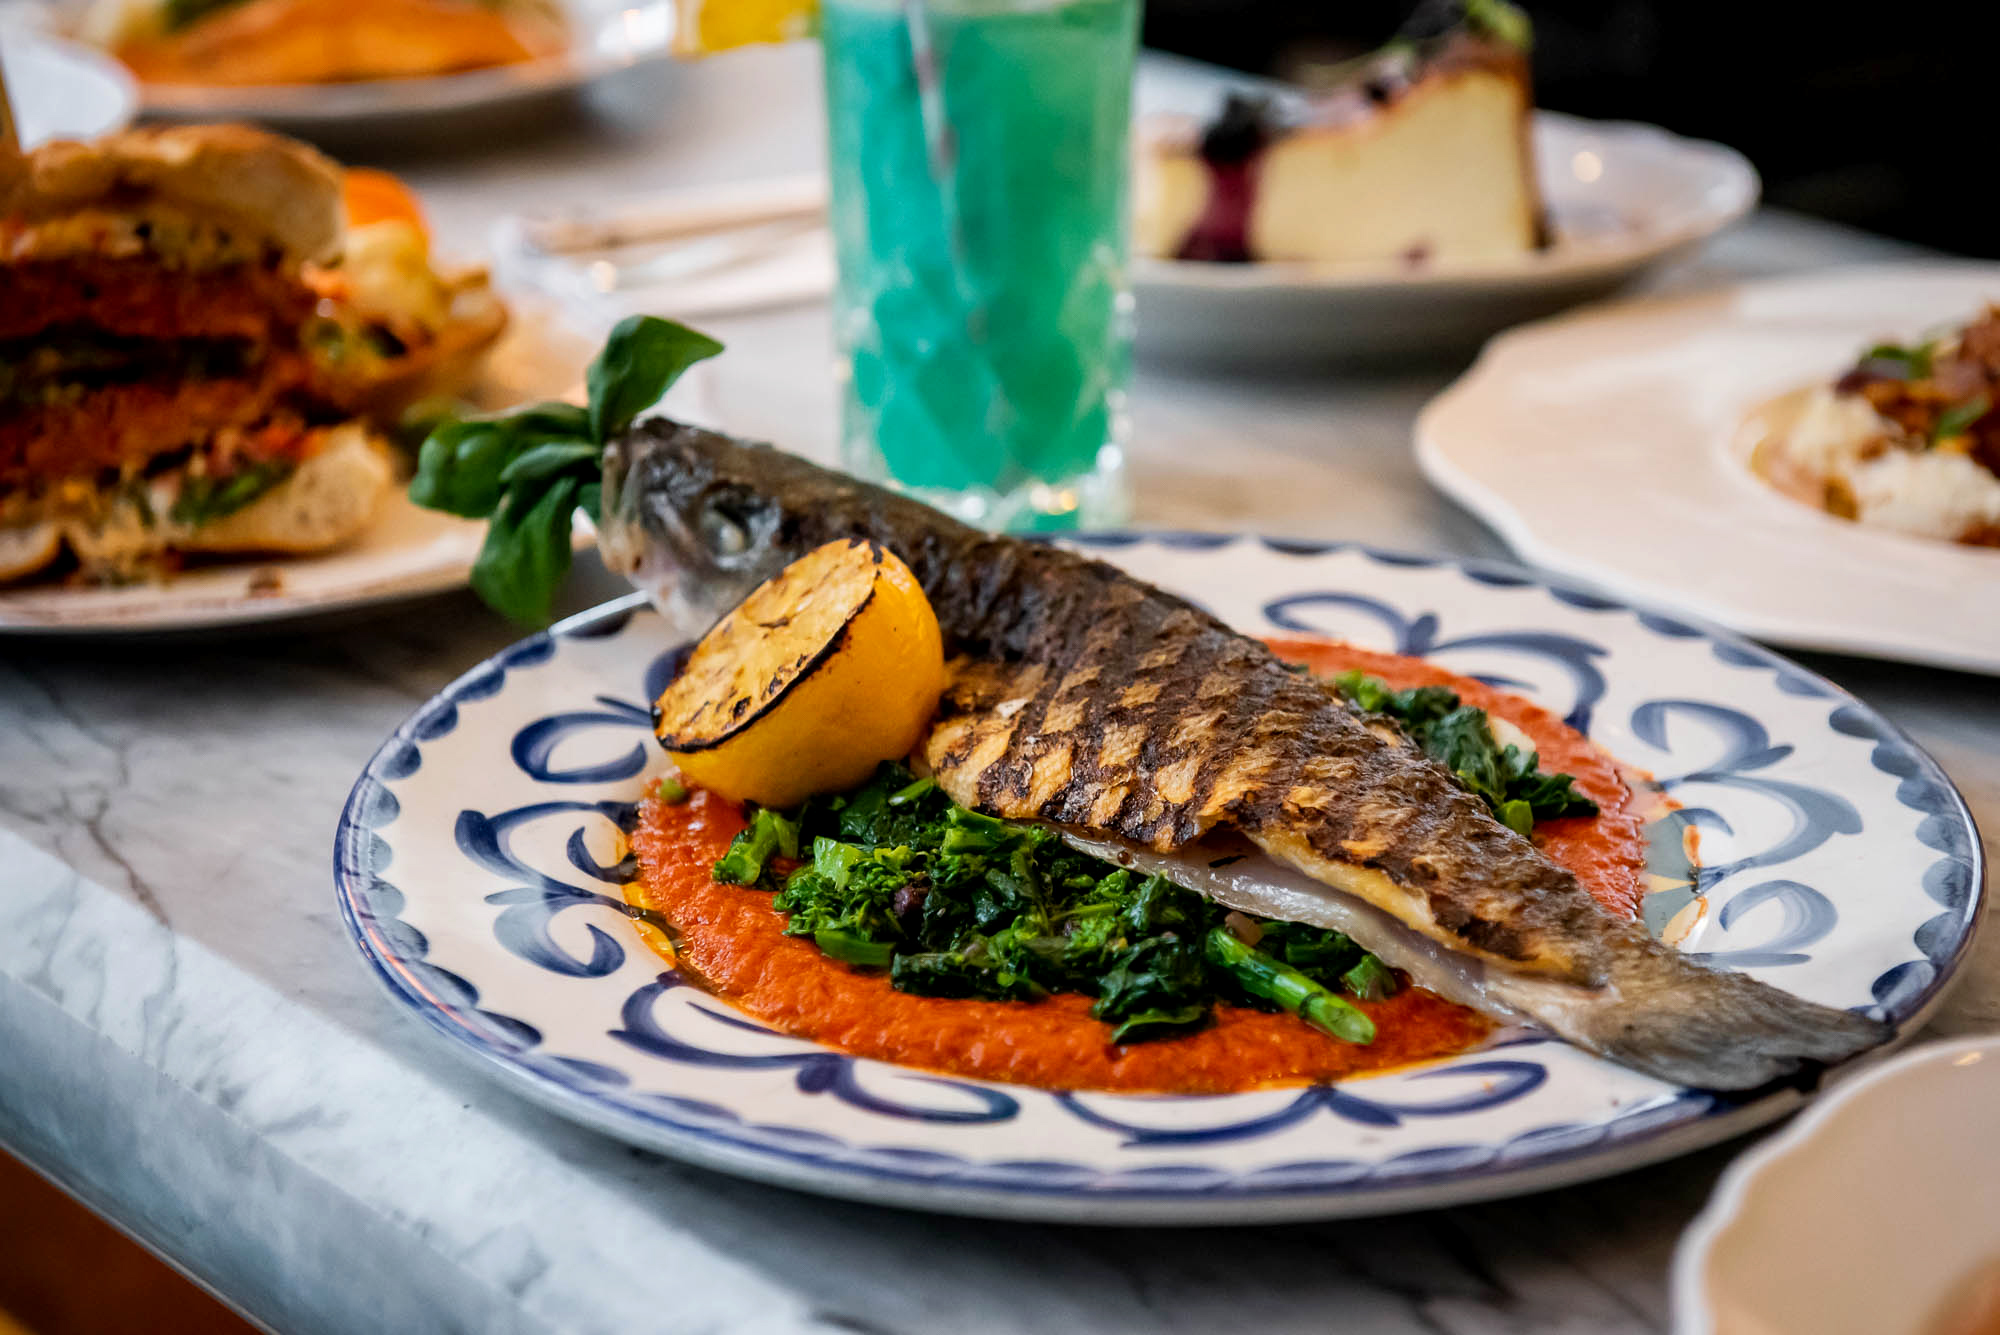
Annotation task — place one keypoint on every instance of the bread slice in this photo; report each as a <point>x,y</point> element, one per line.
<point>271,187</point>
<point>328,500</point>
<point>29,549</point>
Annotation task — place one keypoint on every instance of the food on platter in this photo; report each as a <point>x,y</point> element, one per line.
<point>1092,725</point>
<point>320,41</point>
<point>200,354</point>
<point>1422,156</point>
<point>1905,440</point>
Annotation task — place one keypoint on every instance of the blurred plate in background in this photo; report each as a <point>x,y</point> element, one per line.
<point>62,89</point>
<point>606,37</point>
<point>1607,446</point>
<point>1622,198</point>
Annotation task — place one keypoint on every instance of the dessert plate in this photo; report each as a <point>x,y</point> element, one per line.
<point>1622,198</point>
<point>479,865</point>
<point>1897,1172</point>
<point>1606,445</point>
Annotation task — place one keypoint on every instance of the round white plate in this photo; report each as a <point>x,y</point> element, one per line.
<point>605,38</point>
<point>1864,1216</point>
<point>405,553</point>
<point>1622,198</point>
<point>1604,445</point>
<point>478,861</point>
<point>61,89</point>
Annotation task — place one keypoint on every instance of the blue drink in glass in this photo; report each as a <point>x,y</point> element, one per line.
<point>978,153</point>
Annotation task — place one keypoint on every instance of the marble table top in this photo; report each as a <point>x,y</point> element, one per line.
<point>189,1043</point>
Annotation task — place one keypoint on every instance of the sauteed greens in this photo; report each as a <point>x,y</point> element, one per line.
<point>1460,737</point>
<point>956,904</point>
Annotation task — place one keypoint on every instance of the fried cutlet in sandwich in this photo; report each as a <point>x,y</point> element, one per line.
<point>164,383</point>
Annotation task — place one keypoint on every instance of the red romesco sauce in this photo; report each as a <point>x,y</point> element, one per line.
<point>731,941</point>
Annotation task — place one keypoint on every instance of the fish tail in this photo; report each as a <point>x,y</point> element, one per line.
<point>1687,1023</point>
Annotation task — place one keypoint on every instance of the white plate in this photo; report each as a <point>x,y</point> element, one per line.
<point>406,553</point>
<point>478,860</point>
<point>1604,446</point>
<point>1864,1216</point>
<point>1622,198</point>
<point>61,89</point>
<point>606,37</point>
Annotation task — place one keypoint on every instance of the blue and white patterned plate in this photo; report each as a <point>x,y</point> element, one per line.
<point>478,864</point>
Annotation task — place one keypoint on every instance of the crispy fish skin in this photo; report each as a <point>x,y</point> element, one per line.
<point>1083,697</point>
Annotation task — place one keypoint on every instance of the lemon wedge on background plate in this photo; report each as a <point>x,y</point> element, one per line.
<point>830,667</point>
<point>708,26</point>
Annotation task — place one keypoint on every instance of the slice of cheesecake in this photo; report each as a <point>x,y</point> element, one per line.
<point>1424,157</point>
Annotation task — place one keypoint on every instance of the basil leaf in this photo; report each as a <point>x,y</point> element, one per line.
<point>462,463</point>
<point>510,468</point>
<point>639,362</point>
<point>526,552</point>
<point>541,462</point>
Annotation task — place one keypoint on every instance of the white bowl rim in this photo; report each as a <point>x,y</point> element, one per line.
<point>1687,1288</point>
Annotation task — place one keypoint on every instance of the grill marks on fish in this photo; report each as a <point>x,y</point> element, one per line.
<point>1152,722</point>
<point>1126,716</point>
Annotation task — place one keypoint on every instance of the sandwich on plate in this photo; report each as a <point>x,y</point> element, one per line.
<point>204,333</point>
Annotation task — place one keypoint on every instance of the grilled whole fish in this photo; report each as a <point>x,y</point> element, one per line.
<point>1151,733</point>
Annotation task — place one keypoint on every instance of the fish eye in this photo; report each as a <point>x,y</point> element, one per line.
<point>722,530</point>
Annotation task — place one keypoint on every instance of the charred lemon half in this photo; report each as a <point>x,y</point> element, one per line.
<point>827,669</point>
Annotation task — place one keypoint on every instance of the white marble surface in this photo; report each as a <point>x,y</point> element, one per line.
<point>188,1042</point>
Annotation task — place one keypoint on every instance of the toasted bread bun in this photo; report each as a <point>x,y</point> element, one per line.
<point>272,187</point>
<point>26,550</point>
<point>328,500</point>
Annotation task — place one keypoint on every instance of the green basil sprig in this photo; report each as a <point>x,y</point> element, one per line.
<point>528,471</point>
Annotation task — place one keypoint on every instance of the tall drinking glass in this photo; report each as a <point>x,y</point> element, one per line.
<point>983,318</point>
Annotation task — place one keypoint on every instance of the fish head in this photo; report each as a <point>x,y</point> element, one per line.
<point>696,519</point>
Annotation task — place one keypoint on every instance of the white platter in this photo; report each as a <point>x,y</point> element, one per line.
<point>1622,198</point>
<point>478,865</point>
<point>1864,1216</point>
<point>1604,446</point>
